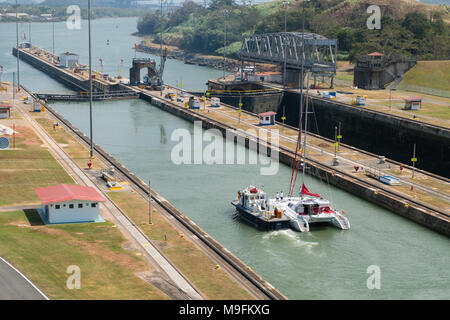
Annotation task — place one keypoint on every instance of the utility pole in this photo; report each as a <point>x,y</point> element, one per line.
<point>161,49</point>
<point>149,203</point>
<point>335,160</point>
<point>53,34</point>
<point>339,137</point>
<point>17,40</point>
<point>91,151</point>
<point>14,89</point>
<point>285,3</point>
<point>225,12</point>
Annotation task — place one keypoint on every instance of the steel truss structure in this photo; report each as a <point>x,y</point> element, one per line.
<point>319,55</point>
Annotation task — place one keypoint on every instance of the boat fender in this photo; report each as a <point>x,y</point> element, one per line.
<point>343,212</point>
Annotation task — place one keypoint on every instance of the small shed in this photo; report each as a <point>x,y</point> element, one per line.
<point>66,203</point>
<point>267,118</point>
<point>413,103</point>
<point>5,111</point>
<point>68,60</point>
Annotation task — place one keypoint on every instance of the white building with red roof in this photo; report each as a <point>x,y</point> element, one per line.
<point>267,118</point>
<point>67,203</point>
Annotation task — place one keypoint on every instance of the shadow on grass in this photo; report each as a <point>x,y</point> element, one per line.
<point>33,217</point>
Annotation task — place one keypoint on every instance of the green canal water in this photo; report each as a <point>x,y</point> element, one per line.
<point>326,263</point>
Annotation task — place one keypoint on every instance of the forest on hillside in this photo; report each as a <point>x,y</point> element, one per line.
<point>419,31</point>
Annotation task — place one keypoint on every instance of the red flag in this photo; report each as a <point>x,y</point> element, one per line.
<point>306,191</point>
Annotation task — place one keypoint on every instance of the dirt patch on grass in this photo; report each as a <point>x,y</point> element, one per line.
<point>95,249</point>
<point>18,223</point>
<point>28,136</point>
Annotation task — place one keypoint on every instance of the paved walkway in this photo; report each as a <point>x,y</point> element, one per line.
<point>16,208</point>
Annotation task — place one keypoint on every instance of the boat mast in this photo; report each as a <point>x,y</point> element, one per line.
<point>306,128</point>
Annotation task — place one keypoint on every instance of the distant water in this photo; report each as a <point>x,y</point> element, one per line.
<point>324,264</point>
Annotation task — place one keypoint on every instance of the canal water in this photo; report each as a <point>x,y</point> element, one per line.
<point>326,263</point>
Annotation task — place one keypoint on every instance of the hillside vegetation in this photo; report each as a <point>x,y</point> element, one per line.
<point>431,77</point>
<point>408,28</point>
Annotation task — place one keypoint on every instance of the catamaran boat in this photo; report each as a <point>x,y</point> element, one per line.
<point>297,213</point>
<point>311,208</point>
<point>253,206</point>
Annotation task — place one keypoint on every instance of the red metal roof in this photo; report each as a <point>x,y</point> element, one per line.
<point>376,54</point>
<point>413,99</point>
<point>268,113</point>
<point>67,192</point>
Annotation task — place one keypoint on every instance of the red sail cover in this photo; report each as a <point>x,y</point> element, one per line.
<point>306,191</point>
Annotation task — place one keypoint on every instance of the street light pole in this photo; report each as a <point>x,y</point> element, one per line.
<point>17,40</point>
<point>150,221</point>
<point>53,34</point>
<point>161,49</point>
<point>91,151</point>
<point>225,12</point>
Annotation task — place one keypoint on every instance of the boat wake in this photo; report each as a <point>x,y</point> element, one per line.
<point>294,238</point>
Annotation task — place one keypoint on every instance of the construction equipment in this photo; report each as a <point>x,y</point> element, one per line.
<point>153,78</point>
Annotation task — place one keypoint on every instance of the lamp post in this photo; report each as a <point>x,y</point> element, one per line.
<point>150,221</point>
<point>225,13</point>
<point>91,151</point>
<point>161,49</point>
<point>17,40</point>
<point>53,34</point>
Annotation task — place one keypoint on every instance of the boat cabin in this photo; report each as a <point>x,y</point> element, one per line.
<point>311,206</point>
<point>253,197</point>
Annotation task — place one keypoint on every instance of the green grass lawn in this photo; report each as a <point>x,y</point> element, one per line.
<point>431,77</point>
<point>29,167</point>
<point>194,264</point>
<point>43,254</point>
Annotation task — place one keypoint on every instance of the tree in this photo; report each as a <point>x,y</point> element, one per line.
<point>417,23</point>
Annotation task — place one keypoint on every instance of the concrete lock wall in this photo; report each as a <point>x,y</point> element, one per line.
<point>376,133</point>
<point>53,72</point>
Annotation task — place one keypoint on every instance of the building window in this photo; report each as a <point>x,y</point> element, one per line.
<point>70,206</point>
<point>80,205</point>
<point>57,206</point>
<point>93,205</point>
